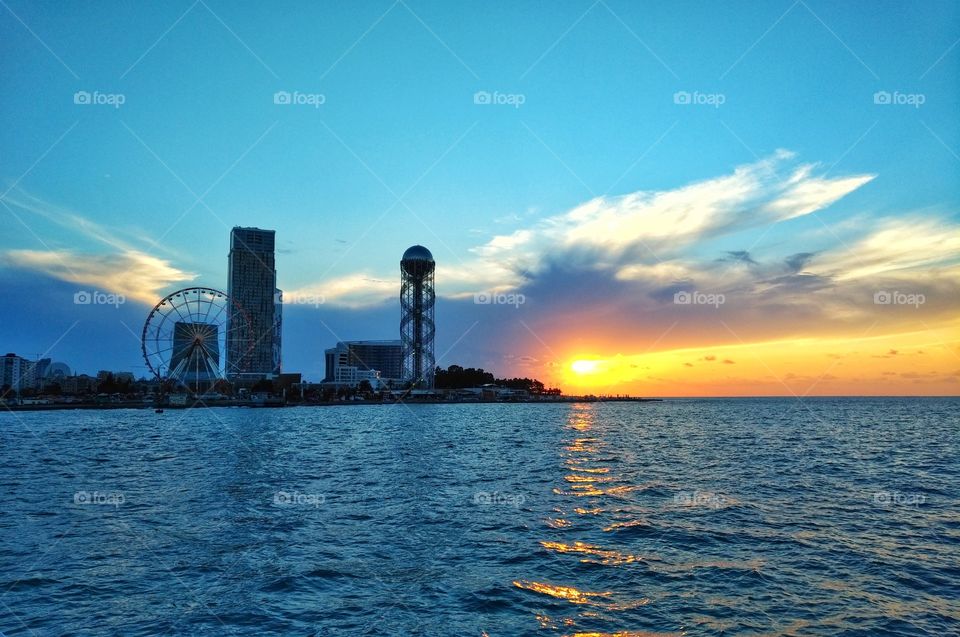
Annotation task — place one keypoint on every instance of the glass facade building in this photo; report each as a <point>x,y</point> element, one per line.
<point>252,284</point>
<point>385,357</point>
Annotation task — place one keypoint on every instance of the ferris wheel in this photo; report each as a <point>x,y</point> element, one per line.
<point>193,335</point>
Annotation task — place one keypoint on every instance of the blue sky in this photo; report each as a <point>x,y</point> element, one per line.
<point>399,153</point>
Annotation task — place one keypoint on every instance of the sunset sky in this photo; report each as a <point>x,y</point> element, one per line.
<point>790,169</point>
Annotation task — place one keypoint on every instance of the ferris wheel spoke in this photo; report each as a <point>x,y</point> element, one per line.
<point>227,302</point>
<point>197,301</point>
<point>180,314</point>
<point>210,304</point>
<point>157,352</point>
<point>177,371</point>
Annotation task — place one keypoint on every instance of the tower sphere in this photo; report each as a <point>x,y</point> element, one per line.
<point>417,260</point>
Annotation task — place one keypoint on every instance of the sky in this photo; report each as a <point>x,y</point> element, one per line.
<point>660,199</point>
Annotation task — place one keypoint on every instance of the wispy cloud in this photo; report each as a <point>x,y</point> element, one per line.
<point>644,233</point>
<point>896,246</point>
<point>354,291</point>
<point>134,274</point>
<point>119,265</point>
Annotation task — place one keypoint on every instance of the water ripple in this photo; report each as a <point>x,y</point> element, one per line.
<point>687,517</point>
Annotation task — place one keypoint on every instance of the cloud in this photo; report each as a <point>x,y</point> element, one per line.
<point>75,222</point>
<point>656,224</point>
<point>738,256</point>
<point>796,262</point>
<point>896,246</point>
<point>642,235</point>
<point>354,291</point>
<point>134,274</point>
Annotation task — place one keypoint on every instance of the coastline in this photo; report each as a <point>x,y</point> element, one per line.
<point>271,405</point>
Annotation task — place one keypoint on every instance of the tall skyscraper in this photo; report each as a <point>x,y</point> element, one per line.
<point>417,298</point>
<point>252,283</point>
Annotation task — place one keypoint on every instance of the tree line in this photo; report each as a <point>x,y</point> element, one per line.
<point>457,377</point>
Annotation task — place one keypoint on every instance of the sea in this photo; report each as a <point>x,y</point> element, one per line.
<point>820,516</point>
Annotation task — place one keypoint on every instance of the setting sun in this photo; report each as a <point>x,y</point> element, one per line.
<point>584,367</point>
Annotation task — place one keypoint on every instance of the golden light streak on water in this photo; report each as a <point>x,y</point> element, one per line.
<point>593,511</point>
<point>616,526</point>
<point>606,556</point>
<point>586,470</point>
<point>631,633</point>
<point>569,593</point>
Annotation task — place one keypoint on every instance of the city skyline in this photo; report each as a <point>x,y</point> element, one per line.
<point>768,210</point>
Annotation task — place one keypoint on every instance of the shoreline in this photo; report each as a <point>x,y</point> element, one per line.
<point>259,405</point>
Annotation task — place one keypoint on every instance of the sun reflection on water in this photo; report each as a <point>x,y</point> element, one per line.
<point>590,474</point>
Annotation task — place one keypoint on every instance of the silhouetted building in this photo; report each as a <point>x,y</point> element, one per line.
<point>352,361</point>
<point>57,370</point>
<point>41,369</point>
<point>81,384</point>
<point>417,300</point>
<point>252,284</point>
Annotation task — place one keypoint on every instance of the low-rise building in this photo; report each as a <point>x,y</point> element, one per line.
<point>81,384</point>
<point>351,362</point>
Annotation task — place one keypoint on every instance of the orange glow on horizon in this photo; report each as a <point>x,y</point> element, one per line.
<point>920,362</point>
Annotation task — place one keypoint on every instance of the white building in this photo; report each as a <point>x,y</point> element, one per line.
<point>351,376</point>
<point>17,373</point>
